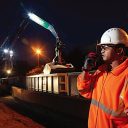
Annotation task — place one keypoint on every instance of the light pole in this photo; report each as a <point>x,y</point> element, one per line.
<point>38,52</point>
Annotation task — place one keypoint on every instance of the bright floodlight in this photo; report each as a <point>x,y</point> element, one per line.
<point>6,51</point>
<point>43,23</point>
<point>9,71</point>
<point>38,51</point>
<point>36,19</point>
<point>11,53</point>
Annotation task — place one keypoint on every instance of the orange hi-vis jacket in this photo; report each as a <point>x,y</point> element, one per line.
<point>108,92</point>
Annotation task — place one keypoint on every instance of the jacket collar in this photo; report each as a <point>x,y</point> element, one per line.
<point>120,68</point>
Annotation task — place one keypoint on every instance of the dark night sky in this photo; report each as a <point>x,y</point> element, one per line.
<point>79,23</point>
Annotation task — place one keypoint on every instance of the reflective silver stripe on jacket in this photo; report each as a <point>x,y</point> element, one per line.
<point>108,110</point>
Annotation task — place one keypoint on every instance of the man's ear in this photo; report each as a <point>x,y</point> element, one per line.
<point>120,51</point>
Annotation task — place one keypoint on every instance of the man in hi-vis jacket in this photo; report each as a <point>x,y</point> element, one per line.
<point>108,86</point>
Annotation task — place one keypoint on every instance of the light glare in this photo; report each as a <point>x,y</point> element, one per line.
<point>5,50</point>
<point>9,71</point>
<point>36,19</point>
<point>38,51</point>
<point>43,23</point>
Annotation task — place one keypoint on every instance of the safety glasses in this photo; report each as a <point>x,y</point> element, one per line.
<point>105,47</point>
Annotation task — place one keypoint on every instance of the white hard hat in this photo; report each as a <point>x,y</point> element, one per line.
<point>114,36</point>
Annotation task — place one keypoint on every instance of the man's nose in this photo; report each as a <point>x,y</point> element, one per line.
<point>102,50</point>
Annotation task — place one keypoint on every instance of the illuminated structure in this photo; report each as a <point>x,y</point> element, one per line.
<point>56,83</point>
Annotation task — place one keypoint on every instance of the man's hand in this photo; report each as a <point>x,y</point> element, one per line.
<point>89,64</point>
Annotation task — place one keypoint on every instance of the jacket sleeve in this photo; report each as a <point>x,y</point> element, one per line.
<point>125,97</point>
<point>85,86</point>
<point>122,122</point>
